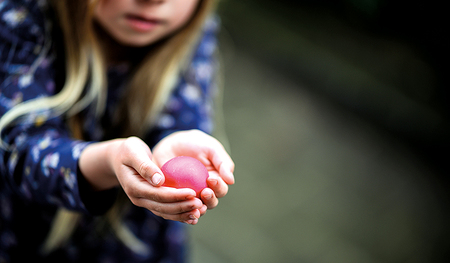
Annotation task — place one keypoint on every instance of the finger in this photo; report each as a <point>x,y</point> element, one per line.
<point>209,198</point>
<point>151,172</point>
<point>203,210</point>
<point>188,217</point>
<point>223,164</point>
<point>138,157</point>
<point>217,184</point>
<point>192,222</point>
<point>192,218</point>
<point>167,194</point>
<point>137,187</point>
<point>172,209</point>
<point>226,172</point>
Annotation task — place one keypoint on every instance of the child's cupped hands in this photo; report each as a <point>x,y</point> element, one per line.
<point>138,171</point>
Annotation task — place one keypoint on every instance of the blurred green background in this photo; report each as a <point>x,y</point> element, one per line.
<point>336,115</point>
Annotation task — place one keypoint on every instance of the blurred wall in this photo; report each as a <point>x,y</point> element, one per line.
<point>383,60</point>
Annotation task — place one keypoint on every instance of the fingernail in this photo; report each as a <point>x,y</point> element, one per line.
<point>192,217</point>
<point>213,182</point>
<point>156,178</point>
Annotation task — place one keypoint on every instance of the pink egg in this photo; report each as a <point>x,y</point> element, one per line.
<point>185,172</point>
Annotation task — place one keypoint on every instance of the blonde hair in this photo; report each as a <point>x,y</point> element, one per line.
<point>86,84</point>
<point>83,66</point>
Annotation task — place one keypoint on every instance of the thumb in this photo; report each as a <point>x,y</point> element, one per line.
<point>140,160</point>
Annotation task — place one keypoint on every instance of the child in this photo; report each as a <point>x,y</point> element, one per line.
<point>95,96</point>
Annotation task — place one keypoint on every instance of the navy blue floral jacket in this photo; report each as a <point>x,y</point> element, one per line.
<point>39,173</point>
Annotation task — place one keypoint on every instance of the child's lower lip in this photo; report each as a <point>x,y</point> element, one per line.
<point>141,25</point>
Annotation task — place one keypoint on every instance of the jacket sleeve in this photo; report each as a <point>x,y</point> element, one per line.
<point>191,104</point>
<point>40,165</point>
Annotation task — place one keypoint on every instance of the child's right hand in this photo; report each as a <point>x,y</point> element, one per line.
<point>128,162</point>
<point>141,180</point>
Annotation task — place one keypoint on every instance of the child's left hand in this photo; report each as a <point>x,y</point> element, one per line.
<point>209,151</point>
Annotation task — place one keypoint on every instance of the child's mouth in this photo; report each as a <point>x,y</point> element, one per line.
<point>141,24</point>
